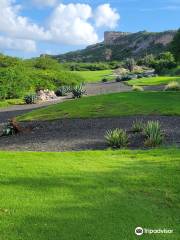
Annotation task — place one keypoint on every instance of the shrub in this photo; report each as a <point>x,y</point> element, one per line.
<point>140,75</point>
<point>172,86</point>
<point>30,99</point>
<point>104,80</point>
<point>78,91</point>
<point>138,126</point>
<point>130,64</point>
<point>137,89</point>
<point>126,78</point>
<point>117,138</point>
<point>62,91</point>
<point>118,79</point>
<point>153,133</point>
<point>8,130</point>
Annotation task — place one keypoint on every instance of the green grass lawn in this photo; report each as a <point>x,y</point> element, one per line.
<point>111,105</point>
<point>100,195</point>
<point>153,81</point>
<point>7,103</point>
<point>96,76</point>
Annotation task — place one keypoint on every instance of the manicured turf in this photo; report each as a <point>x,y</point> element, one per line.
<point>7,103</point>
<point>111,105</point>
<point>153,81</point>
<point>101,195</point>
<point>96,76</point>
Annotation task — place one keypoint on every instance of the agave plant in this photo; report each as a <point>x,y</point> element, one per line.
<point>117,138</point>
<point>172,86</point>
<point>8,130</point>
<point>138,126</point>
<point>78,91</point>
<point>137,88</point>
<point>30,99</point>
<point>153,133</point>
<point>63,90</point>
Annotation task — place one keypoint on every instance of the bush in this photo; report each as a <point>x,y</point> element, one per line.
<point>78,91</point>
<point>8,130</point>
<point>30,99</point>
<point>130,64</point>
<point>104,80</point>
<point>117,138</point>
<point>62,91</point>
<point>140,75</point>
<point>137,88</point>
<point>118,79</point>
<point>126,78</point>
<point>153,133</point>
<point>172,86</point>
<point>138,126</point>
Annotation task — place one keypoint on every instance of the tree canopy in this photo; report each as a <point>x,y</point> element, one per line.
<point>175,46</point>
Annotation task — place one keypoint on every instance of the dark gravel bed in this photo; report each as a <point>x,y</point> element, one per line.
<point>82,134</point>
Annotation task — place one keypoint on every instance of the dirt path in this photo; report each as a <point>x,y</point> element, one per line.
<point>83,134</point>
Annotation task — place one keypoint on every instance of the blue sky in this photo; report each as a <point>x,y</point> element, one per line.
<point>31,27</point>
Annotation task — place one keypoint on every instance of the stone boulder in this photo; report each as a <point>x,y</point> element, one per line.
<point>46,95</point>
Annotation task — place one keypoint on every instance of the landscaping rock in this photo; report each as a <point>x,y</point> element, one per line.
<point>46,95</point>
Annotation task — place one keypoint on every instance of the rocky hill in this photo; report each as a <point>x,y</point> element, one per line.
<point>121,45</point>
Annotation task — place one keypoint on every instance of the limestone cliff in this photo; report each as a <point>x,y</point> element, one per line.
<point>120,45</point>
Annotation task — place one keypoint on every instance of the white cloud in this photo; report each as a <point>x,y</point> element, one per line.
<point>16,26</point>
<point>17,44</point>
<point>45,3</point>
<point>106,16</point>
<point>69,24</point>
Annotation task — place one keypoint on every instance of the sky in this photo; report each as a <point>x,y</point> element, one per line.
<point>29,28</point>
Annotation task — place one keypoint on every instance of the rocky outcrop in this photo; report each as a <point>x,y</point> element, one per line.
<point>110,37</point>
<point>121,45</point>
<point>46,95</point>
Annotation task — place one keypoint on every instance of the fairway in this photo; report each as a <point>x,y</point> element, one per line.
<point>153,81</point>
<point>95,76</point>
<point>100,195</point>
<point>111,105</point>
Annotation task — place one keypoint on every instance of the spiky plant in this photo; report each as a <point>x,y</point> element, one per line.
<point>172,86</point>
<point>137,89</point>
<point>117,138</point>
<point>78,91</point>
<point>138,126</point>
<point>153,133</point>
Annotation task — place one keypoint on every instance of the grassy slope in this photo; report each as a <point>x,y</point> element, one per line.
<point>96,76</point>
<point>153,81</point>
<point>7,103</point>
<point>89,195</point>
<point>111,105</point>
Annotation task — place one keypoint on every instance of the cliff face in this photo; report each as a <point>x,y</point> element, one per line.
<point>120,45</point>
<point>110,37</point>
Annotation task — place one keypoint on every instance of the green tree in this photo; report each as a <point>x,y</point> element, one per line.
<point>130,64</point>
<point>175,46</point>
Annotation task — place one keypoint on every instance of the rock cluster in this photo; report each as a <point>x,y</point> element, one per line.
<point>46,95</point>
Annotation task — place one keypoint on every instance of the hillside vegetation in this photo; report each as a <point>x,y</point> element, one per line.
<point>135,45</point>
<point>19,77</point>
